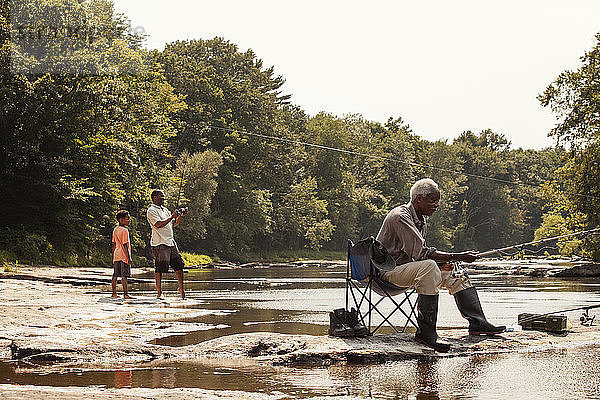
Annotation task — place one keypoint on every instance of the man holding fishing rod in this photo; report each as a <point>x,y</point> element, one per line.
<point>428,269</point>
<point>164,248</point>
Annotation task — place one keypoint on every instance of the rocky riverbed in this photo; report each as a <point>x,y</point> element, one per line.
<point>56,319</point>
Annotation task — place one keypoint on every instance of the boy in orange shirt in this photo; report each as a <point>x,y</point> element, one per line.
<point>121,247</point>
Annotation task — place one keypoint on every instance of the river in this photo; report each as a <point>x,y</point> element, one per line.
<point>297,300</point>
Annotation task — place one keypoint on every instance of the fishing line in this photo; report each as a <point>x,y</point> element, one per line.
<point>522,245</point>
<point>390,159</point>
<point>528,251</point>
<point>413,164</point>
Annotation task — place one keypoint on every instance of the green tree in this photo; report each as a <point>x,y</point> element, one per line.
<point>77,143</point>
<point>446,221</point>
<point>485,211</point>
<point>303,216</point>
<point>575,99</point>
<point>194,184</point>
<point>228,93</point>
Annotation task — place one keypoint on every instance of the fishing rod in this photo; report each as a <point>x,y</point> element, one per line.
<point>520,246</point>
<point>534,317</point>
<point>177,208</point>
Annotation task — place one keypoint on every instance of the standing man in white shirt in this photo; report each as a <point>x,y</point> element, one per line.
<point>164,248</point>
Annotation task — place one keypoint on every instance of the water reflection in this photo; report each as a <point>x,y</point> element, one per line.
<point>427,380</point>
<point>122,379</point>
<point>556,374</point>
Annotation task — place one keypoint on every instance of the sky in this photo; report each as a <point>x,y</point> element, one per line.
<point>443,66</point>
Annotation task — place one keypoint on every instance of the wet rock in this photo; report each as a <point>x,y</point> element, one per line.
<point>251,265</point>
<point>580,271</point>
<point>25,348</point>
<point>49,357</point>
<point>226,265</point>
<point>281,349</point>
<point>74,282</point>
<point>317,263</point>
<point>68,280</point>
<point>268,347</point>
<point>521,271</point>
<point>277,349</point>
<point>538,272</point>
<point>279,265</point>
<point>61,348</point>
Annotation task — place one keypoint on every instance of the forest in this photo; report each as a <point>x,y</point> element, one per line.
<point>93,125</point>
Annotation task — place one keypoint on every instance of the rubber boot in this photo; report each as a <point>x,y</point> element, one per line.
<point>469,306</point>
<point>352,320</point>
<point>427,309</point>
<point>337,324</point>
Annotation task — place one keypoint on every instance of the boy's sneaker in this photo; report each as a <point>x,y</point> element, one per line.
<point>337,324</point>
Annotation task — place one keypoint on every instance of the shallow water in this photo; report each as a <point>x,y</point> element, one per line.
<point>556,374</point>
<point>296,300</point>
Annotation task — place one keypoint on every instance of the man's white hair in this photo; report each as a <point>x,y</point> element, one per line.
<point>423,187</point>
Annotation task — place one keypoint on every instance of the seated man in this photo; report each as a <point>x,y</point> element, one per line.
<point>403,234</point>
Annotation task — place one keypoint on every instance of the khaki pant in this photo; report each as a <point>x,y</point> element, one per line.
<point>426,277</point>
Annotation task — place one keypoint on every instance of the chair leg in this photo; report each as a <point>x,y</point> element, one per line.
<point>365,296</point>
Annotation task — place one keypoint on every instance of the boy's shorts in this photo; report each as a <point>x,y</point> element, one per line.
<point>121,269</point>
<point>166,255</point>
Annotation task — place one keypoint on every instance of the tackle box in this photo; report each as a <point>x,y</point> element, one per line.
<point>545,323</point>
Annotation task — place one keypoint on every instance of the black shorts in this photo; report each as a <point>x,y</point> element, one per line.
<point>166,255</point>
<point>121,269</point>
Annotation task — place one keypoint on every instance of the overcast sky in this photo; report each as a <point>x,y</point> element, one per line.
<point>444,66</point>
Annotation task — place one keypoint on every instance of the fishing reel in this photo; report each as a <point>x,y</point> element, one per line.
<point>586,319</point>
<point>457,270</point>
<point>181,210</point>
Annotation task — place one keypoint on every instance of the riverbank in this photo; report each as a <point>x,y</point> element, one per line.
<point>59,319</point>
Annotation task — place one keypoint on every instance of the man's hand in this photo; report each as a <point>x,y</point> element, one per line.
<point>180,216</point>
<point>465,256</point>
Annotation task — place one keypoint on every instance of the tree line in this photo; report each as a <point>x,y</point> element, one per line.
<point>210,124</point>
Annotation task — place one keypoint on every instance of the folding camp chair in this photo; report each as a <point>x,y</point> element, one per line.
<point>362,279</point>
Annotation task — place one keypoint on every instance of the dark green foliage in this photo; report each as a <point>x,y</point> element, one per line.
<point>575,98</point>
<point>78,145</point>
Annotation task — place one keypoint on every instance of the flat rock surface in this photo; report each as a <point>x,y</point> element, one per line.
<point>280,349</point>
<point>68,324</point>
<point>45,320</point>
<point>536,267</point>
<point>15,392</point>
